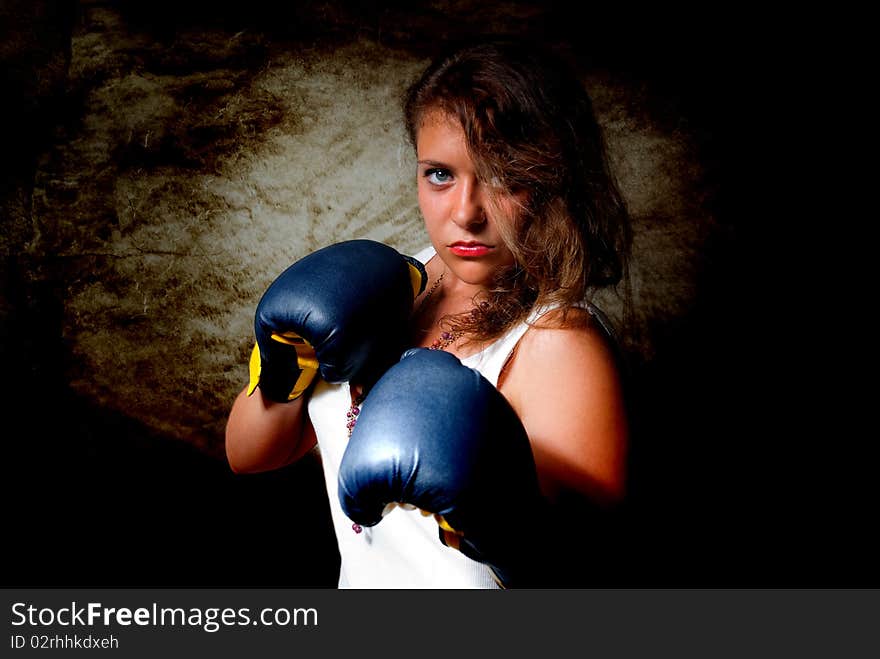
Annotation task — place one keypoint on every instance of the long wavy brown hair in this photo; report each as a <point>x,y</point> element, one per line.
<point>530,128</point>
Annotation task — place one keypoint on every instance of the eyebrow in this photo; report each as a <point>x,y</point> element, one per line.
<point>433,163</point>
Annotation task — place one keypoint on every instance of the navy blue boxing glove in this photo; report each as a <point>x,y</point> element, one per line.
<point>437,435</point>
<point>342,311</point>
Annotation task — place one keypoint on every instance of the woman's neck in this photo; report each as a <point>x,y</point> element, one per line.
<point>445,295</point>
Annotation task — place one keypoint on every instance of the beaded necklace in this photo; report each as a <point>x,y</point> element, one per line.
<point>445,340</point>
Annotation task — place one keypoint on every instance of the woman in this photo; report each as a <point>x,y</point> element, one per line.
<point>525,222</point>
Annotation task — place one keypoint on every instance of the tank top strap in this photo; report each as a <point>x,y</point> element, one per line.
<point>492,359</point>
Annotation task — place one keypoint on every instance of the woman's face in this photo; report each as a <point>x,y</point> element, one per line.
<point>455,204</point>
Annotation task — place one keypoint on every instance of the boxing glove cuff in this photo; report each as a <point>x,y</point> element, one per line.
<point>291,385</point>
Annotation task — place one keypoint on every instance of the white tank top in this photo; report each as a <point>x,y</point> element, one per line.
<point>404,549</point>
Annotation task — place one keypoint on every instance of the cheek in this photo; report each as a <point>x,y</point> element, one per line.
<point>511,211</point>
<point>430,206</point>
<point>505,256</point>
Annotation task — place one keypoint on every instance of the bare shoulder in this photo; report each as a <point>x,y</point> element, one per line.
<point>564,383</point>
<point>566,349</point>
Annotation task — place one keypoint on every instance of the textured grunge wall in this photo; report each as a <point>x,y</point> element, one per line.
<point>194,168</point>
<point>165,161</point>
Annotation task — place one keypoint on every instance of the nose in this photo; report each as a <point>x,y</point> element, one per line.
<point>469,210</point>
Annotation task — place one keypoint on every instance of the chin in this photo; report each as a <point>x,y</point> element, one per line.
<point>475,274</point>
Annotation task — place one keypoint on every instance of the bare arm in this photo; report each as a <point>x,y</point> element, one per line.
<point>263,435</point>
<point>565,387</point>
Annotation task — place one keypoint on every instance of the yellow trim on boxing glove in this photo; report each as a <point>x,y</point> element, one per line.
<point>443,524</point>
<point>254,370</point>
<point>417,279</point>
<point>452,539</point>
<point>448,535</point>
<point>305,358</point>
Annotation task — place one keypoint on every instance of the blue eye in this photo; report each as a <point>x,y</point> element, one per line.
<point>438,176</point>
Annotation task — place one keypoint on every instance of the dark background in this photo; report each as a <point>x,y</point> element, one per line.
<point>734,482</point>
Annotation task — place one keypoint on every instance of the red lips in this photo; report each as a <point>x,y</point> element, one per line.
<point>469,248</point>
